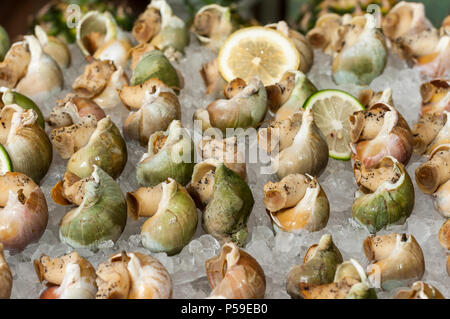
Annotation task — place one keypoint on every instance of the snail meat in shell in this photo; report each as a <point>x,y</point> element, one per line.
<point>235,274</point>
<point>297,202</point>
<point>70,276</point>
<point>100,216</point>
<point>133,276</point>
<point>172,216</point>
<point>396,260</point>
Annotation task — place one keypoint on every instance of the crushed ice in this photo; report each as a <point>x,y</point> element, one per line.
<point>276,253</point>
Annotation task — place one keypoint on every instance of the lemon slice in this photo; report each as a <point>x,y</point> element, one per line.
<point>257,51</point>
<point>332,109</point>
<point>5,161</point>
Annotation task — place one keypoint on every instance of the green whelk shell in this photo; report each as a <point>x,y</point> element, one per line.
<point>218,29</point>
<point>27,144</point>
<point>106,148</point>
<point>391,203</point>
<point>174,160</point>
<point>364,60</point>
<point>154,64</point>
<point>350,282</point>
<point>303,89</point>
<point>174,223</point>
<point>5,43</point>
<point>319,268</point>
<point>101,216</point>
<point>362,290</point>
<point>172,37</point>
<point>245,109</point>
<point>174,33</point>
<point>226,212</point>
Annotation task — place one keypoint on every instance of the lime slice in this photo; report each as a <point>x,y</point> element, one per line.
<point>5,161</point>
<point>332,109</point>
<point>257,51</point>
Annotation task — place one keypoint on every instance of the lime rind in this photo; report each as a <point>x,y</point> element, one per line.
<point>5,161</point>
<point>328,94</point>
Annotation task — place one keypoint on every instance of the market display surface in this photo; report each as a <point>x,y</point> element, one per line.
<point>93,204</point>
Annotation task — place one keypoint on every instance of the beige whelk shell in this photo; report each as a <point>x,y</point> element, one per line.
<point>324,34</point>
<point>226,150</point>
<point>435,96</point>
<point>304,150</point>
<point>213,80</point>
<point>41,66</point>
<point>435,172</point>
<point>212,25</point>
<point>70,190</point>
<point>404,18</point>
<point>378,132</point>
<point>159,108</point>
<point>100,81</point>
<point>133,96</point>
<point>448,265</point>
<point>300,42</point>
<point>369,98</point>
<point>280,134</point>
<point>442,199</point>
<point>133,276</point>
<point>73,108</point>
<point>160,27</point>
<point>433,127</point>
<point>147,25</point>
<point>235,274</point>
<point>54,47</point>
<point>25,65</point>
<point>74,120</point>
<point>415,38</point>
<point>431,131</point>
<point>396,260</point>
<point>23,211</point>
<point>99,36</point>
<point>15,64</point>
<point>6,278</point>
<point>68,140</point>
<point>444,235</point>
<point>433,177</point>
<point>297,202</point>
<point>437,63</point>
<point>443,136</point>
<point>71,277</point>
<point>420,290</point>
<point>245,107</point>
<point>288,96</point>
